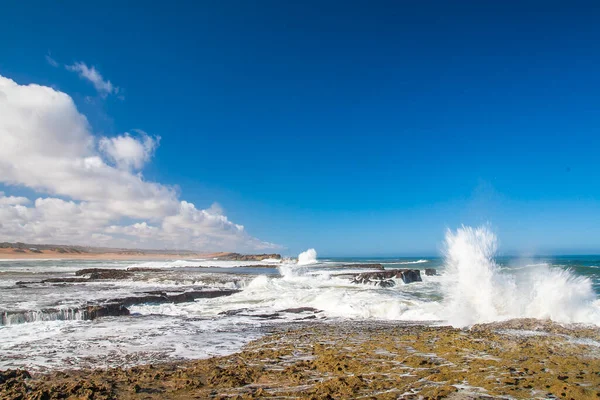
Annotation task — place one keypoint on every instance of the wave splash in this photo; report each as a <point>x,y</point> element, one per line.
<point>307,257</point>
<point>476,290</point>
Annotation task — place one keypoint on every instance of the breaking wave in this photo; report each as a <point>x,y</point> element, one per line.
<point>307,257</point>
<point>413,262</point>
<point>476,289</point>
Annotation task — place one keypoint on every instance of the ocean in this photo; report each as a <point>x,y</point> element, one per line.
<point>49,326</point>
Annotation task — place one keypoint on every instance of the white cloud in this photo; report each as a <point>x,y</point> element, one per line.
<point>51,61</point>
<point>12,200</point>
<point>48,146</point>
<point>128,152</point>
<point>104,87</point>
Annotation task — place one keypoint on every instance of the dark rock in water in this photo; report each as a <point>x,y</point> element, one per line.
<point>386,284</point>
<point>305,318</point>
<point>64,280</point>
<point>363,266</point>
<point>265,316</point>
<point>144,269</point>
<point>430,271</point>
<point>385,278</point>
<point>88,271</point>
<point>300,310</point>
<point>110,275</point>
<point>93,276</point>
<point>173,298</point>
<point>241,312</point>
<point>106,310</point>
<point>233,312</point>
<point>101,274</point>
<point>411,275</point>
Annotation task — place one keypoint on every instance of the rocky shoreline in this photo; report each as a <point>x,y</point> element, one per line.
<point>375,274</point>
<point>514,359</point>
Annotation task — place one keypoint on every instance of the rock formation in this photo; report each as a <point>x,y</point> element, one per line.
<point>386,278</point>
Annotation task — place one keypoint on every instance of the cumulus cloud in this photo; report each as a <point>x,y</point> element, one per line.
<point>92,185</point>
<point>12,200</point>
<point>129,152</point>
<point>104,87</point>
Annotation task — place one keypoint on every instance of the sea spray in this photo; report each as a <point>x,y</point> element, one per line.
<point>289,269</point>
<point>476,290</point>
<point>307,257</point>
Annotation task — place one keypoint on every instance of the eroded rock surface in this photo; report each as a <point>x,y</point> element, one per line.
<point>358,360</point>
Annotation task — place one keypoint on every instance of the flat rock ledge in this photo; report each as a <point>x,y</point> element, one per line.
<point>356,360</point>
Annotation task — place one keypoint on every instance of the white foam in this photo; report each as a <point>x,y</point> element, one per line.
<point>307,257</point>
<point>476,290</point>
<point>413,262</point>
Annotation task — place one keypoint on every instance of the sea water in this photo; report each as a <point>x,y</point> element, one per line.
<point>43,326</point>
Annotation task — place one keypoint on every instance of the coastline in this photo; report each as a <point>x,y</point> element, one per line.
<point>9,255</point>
<point>524,358</point>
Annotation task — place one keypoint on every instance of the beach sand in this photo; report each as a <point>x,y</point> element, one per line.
<point>25,254</point>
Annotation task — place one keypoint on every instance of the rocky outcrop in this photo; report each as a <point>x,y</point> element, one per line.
<point>94,274</point>
<point>248,257</point>
<point>336,361</point>
<point>84,313</point>
<point>161,297</point>
<point>13,374</point>
<point>430,271</point>
<point>411,275</point>
<point>387,278</point>
<point>103,273</point>
<point>107,308</point>
<point>144,269</point>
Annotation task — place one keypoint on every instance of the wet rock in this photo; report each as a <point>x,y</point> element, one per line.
<point>144,269</point>
<point>411,275</point>
<point>233,312</point>
<point>64,280</point>
<point>299,310</point>
<point>106,310</point>
<point>386,278</point>
<point>356,360</point>
<point>88,271</point>
<point>430,271</point>
<point>104,273</point>
<point>173,298</point>
<point>113,307</point>
<point>23,283</point>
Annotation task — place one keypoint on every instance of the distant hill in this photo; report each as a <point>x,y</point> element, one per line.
<point>56,250</point>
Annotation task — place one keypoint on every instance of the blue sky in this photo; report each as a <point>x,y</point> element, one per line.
<point>357,128</point>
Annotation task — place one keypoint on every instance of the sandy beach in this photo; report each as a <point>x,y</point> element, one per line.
<point>15,254</point>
